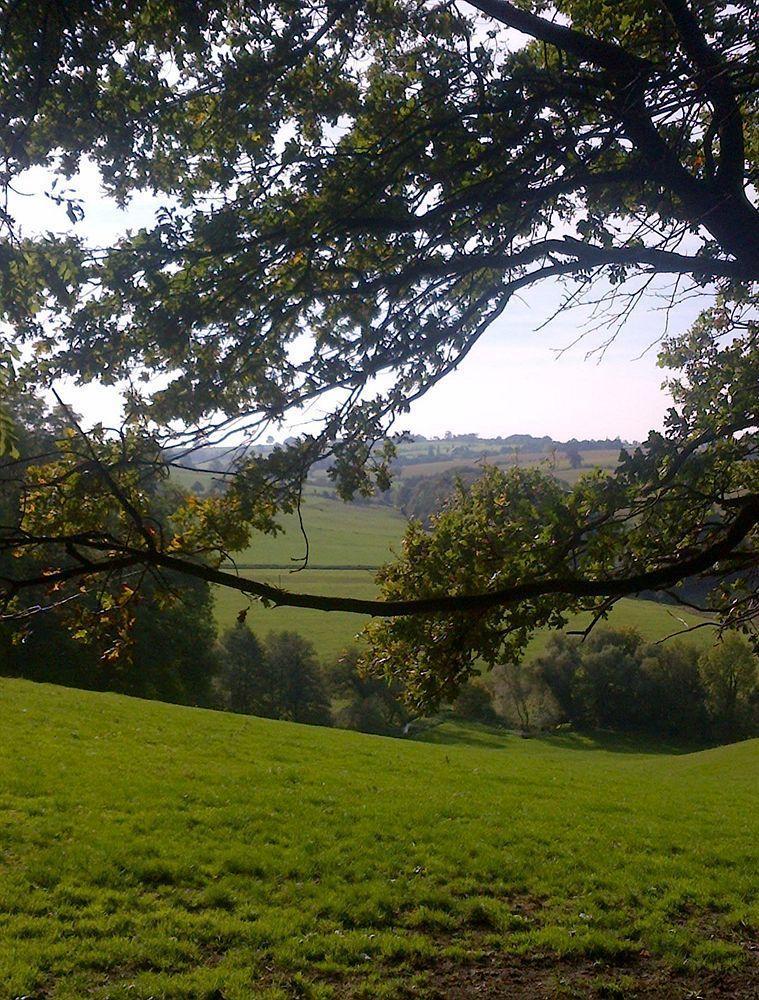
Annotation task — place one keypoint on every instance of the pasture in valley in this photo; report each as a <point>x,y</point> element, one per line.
<point>347,542</point>
<point>356,539</point>
<point>340,535</point>
<point>153,851</point>
<point>330,632</point>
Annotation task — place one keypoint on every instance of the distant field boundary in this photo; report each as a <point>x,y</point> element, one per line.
<point>291,565</point>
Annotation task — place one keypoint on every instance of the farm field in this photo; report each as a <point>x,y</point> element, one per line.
<point>418,463</point>
<point>339,534</point>
<point>154,851</point>
<point>329,632</point>
<point>347,535</point>
<point>508,459</point>
<point>332,632</point>
<point>653,620</point>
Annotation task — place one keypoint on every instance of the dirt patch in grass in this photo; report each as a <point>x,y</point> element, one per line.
<point>499,976</point>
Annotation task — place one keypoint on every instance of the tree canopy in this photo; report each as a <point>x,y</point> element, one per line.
<point>351,194</point>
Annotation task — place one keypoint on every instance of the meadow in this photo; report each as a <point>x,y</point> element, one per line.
<point>154,851</point>
<point>330,632</point>
<point>343,535</point>
<point>557,464</point>
<point>354,540</point>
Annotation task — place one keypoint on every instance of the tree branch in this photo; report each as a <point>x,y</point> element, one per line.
<point>584,254</point>
<point>608,55</point>
<point>725,213</point>
<point>713,77</point>
<point>654,579</point>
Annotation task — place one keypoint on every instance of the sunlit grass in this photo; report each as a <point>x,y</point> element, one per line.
<point>150,850</point>
<point>339,534</point>
<point>330,632</point>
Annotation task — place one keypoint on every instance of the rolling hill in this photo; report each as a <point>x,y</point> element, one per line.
<point>153,851</point>
<point>340,535</point>
<point>352,538</point>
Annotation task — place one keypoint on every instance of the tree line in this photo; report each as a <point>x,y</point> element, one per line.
<point>614,680</point>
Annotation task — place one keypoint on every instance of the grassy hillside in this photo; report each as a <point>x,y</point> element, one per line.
<point>653,620</point>
<point>339,534</point>
<point>154,851</point>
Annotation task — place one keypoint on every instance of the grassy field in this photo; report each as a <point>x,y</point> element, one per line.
<point>351,538</point>
<point>348,535</point>
<point>559,465</point>
<point>339,534</point>
<point>152,851</point>
<point>332,632</point>
<point>654,621</point>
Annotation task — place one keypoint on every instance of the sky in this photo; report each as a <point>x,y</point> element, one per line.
<point>517,379</point>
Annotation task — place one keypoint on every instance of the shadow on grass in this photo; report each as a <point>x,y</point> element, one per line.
<point>615,742</point>
<point>446,730</point>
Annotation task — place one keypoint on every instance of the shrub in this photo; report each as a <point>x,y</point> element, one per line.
<point>522,699</point>
<point>474,703</point>
<point>368,704</point>
<point>616,681</point>
<point>729,674</point>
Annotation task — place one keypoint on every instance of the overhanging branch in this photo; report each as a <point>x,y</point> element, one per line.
<point>654,579</point>
<point>581,255</point>
<point>607,55</point>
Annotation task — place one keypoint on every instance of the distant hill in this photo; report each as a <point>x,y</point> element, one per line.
<point>415,449</point>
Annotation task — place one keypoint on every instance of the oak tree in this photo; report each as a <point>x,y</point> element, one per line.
<point>351,193</point>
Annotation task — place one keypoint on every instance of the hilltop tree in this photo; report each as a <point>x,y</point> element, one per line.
<point>352,190</point>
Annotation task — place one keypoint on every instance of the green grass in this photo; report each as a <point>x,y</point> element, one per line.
<point>339,534</point>
<point>332,632</point>
<point>154,851</point>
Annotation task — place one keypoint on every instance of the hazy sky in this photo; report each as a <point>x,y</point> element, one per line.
<point>513,381</point>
